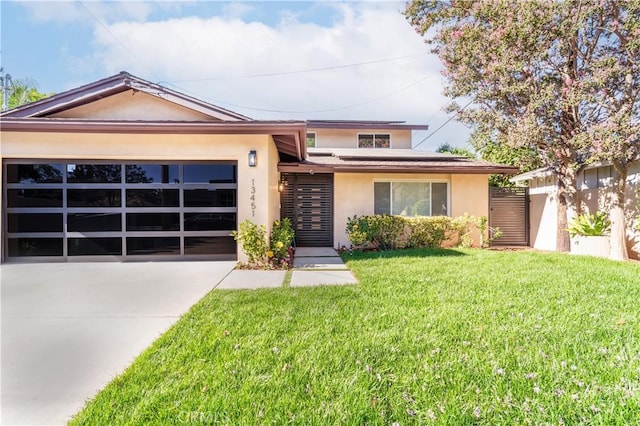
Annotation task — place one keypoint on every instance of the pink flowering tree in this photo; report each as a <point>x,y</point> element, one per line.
<point>532,76</point>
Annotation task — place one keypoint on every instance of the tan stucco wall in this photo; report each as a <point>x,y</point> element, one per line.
<point>132,105</point>
<point>353,195</point>
<point>346,138</point>
<point>137,147</point>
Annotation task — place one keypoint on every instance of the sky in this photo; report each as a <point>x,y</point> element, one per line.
<point>268,60</point>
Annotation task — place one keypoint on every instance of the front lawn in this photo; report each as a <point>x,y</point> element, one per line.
<point>428,336</point>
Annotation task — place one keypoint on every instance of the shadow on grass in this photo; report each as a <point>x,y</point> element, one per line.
<point>424,252</point>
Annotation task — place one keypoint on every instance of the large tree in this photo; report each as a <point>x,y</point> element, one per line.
<point>532,71</point>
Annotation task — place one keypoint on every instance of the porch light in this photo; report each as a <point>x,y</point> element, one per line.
<point>282,184</point>
<point>253,158</point>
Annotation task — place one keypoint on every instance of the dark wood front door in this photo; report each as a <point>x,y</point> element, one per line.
<point>308,201</point>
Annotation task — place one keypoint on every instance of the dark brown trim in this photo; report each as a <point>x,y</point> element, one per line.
<point>430,168</point>
<point>378,125</point>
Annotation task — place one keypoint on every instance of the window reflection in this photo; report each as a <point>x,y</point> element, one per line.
<point>152,173</point>
<point>210,173</point>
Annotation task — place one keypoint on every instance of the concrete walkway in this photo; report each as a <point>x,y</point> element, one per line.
<point>312,266</point>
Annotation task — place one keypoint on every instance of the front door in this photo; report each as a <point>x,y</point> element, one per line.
<point>308,201</point>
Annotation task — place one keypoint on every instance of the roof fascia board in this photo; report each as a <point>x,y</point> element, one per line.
<point>364,125</point>
<point>313,168</point>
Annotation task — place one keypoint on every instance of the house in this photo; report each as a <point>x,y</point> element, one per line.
<point>125,169</point>
<point>595,191</point>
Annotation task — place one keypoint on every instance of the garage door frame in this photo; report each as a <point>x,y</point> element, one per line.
<point>179,212</point>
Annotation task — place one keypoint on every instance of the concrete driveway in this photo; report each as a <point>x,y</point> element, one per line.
<point>68,329</point>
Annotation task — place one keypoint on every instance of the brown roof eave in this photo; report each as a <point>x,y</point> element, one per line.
<point>123,126</point>
<point>367,125</point>
<point>307,168</point>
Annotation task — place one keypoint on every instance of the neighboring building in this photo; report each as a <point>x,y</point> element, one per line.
<point>126,169</point>
<point>594,194</point>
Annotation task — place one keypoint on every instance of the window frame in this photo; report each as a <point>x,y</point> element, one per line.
<point>429,181</point>
<point>373,135</point>
<point>315,139</point>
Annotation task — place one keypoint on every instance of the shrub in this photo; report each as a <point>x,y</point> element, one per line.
<point>595,224</point>
<point>428,231</point>
<point>253,242</point>
<point>391,232</point>
<point>381,231</point>
<point>280,244</point>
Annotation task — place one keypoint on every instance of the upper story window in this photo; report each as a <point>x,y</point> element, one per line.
<point>370,140</point>
<point>311,140</point>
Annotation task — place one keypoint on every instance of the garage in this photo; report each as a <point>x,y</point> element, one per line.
<point>92,210</point>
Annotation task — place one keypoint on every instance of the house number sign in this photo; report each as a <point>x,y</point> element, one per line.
<point>253,197</point>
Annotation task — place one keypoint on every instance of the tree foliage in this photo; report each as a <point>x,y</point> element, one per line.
<point>455,150</point>
<point>545,77</point>
<point>23,91</point>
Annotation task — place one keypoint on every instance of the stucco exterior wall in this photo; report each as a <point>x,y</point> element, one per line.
<point>348,138</point>
<point>132,105</point>
<point>261,180</point>
<point>354,195</point>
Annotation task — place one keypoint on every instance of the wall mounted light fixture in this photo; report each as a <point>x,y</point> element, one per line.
<point>253,158</point>
<point>282,184</point>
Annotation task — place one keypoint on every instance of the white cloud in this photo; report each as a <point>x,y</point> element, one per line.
<point>222,52</point>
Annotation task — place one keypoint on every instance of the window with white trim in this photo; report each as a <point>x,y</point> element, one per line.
<point>311,140</point>
<point>411,198</point>
<point>377,140</point>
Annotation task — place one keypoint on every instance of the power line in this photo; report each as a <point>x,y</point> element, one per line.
<point>103,25</point>
<point>395,92</point>
<point>302,71</point>
<point>441,126</point>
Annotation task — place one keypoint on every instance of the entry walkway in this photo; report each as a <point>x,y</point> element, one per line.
<point>312,266</point>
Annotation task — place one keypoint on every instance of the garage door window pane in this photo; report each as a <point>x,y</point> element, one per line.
<point>153,198</point>
<point>94,198</point>
<point>34,198</point>
<point>95,246</point>
<point>35,247</point>
<point>35,173</point>
<point>210,198</point>
<point>94,222</point>
<point>152,173</point>
<point>153,221</point>
<point>210,173</point>
<point>209,221</point>
<point>153,246</point>
<point>35,222</point>
<point>209,245</point>
<point>94,173</point>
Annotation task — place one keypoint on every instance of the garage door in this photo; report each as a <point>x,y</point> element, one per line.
<point>88,210</point>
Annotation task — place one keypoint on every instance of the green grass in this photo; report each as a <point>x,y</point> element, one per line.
<point>428,337</point>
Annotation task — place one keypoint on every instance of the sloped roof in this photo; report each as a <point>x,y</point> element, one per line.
<point>115,84</point>
<point>372,160</point>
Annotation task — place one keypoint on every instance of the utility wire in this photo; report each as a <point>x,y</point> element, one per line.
<point>441,126</point>
<point>103,25</point>
<point>307,70</point>
<point>395,92</point>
